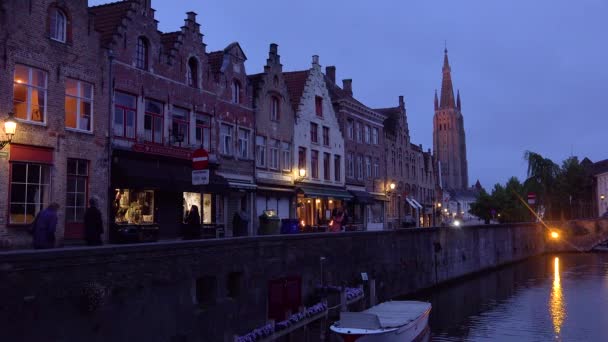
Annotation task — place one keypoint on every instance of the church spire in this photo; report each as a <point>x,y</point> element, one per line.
<point>458,99</point>
<point>447,92</point>
<point>436,100</point>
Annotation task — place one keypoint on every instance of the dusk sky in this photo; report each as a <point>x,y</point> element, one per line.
<point>531,73</point>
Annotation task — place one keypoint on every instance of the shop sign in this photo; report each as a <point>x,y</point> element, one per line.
<point>163,151</point>
<point>200,177</point>
<point>531,198</point>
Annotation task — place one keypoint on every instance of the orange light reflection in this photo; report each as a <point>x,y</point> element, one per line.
<point>557,306</point>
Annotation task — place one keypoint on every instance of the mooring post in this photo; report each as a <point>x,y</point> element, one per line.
<point>343,303</point>
<point>372,292</point>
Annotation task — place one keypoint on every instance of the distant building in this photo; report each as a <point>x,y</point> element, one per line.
<point>449,143</point>
<point>600,191</point>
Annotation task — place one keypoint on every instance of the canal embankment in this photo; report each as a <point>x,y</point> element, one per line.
<point>212,289</point>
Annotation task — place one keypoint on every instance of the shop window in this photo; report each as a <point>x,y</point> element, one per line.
<point>325,136</point>
<point>191,199</point>
<point>226,139</point>
<point>133,206</point>
<point>203,131</point>
<point>29,191</point>
<point>77,185</point>
<point>153,122</point>
<point>275,109</point>
<point>337,168</point>
<point>260,151</point>
<point>29,93</point>
<point>314,132</point>
<point>206,215</point>
<point>244,143</point>
<point>233,284</point>
<point>205,290</point>
<point>326,166</point>
<point>286,156</point>
<point>78,105</point>
<point>141,53</point>
<point>314,164</point>
<point>274,154</point>
<point>125,109</point>
<point>179,126</point>
<point>58,24</point>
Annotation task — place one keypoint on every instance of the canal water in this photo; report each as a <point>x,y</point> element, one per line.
<point>561,297</point>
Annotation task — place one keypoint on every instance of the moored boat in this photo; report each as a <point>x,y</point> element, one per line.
<point>394,321</point>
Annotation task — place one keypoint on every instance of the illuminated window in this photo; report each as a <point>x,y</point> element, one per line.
<point>78,105</point>
<point>29,93</point>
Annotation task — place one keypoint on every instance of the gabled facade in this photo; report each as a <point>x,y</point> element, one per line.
<point>274,118</point>
<point>52,81</point>
<point>365,173</point>
<point>318,147</point>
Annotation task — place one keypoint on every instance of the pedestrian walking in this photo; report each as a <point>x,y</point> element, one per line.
<point>193,224</point>
<point>93,224</point>
<point>44,227</point>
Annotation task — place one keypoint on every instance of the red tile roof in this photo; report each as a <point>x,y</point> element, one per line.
<point>295,81</point>
<point>108,18</point>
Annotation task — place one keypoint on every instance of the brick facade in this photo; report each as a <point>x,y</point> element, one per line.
<point>28,43</point>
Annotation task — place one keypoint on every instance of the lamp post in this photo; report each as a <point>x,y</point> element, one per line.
<point>390,189</point>
<point>10,126</point>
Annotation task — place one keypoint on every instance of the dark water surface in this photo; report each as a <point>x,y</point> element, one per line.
<point>561,297</point>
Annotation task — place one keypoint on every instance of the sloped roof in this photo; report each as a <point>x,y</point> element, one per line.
<point>295,81</point>
<point>337,93</point>
<point>600,167</point>
<point>108,18</point>
<point>215,60</point>
<point>168,39</point>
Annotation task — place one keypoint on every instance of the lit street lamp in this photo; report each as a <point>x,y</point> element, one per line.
<point>301,175</point>
<point>10,126</point>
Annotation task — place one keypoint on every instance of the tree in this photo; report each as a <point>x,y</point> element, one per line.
<point>542,174</point>
<point>482,208</point>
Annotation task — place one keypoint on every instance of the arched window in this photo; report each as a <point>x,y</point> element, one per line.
<point>192,74</point>
<point>236,92</point>
<point>275,112</point>
<point>141,53</point>
<point>58,25</point>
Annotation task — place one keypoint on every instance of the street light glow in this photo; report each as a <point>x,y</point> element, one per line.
<point>554,235</point>
<point>392,186</point>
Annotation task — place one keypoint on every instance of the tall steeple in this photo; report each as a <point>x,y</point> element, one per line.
<point>436,100</point>
<point>447,92</point>
<point>458,99</point>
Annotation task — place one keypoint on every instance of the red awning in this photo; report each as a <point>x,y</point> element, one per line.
<point>29,153</point>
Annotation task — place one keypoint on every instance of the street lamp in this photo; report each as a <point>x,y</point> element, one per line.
<point>10,126</point>
<point>300,175</point>
<point>602,197</point>
<point>392,186</point>
<point>439,205</point>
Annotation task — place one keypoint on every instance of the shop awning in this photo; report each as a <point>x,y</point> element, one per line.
<point>241,185</point>
<point>379,197</point>
<point>274,189</point>
<point>325,192</point>
<point>416,203</point>
<point>362,197</point>
<point>409,201</point>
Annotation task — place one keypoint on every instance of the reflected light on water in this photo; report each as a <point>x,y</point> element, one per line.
<point>557,306</point>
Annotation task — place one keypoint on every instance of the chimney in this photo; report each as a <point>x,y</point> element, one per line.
<point>347,86</point>
<point>274,49</point>
<point>401,102</point>
<point>330,71</point>
<point>315,60</point>
<point>191,16</point>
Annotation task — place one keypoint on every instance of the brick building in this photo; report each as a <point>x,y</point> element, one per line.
<point>365,174</point>
<point>54,84</point>
<point>319,145</point>
<point>171,97</point>
<point>274,139</point>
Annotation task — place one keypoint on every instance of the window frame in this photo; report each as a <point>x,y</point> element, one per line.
<point>142,50</point>
<point>286,156</point>
<point>326,166</point>
<point>236,91</point>
<point>153,116</point>
<point>29,87</point>
<point>367,134</point>
<point>302,158</point>
<point>275,108</point>
<point>375,135</point>
<point>350,123</point>
<point>243,143</point>
<point>274,147</point>
<point>226,139</point>
<point>350,161</point>
<point>325,136</point>
<point>76,176</point>
<point>314,133</point>
<point>54,25</point>
<point>125,110</point>
<point>181,122</point>
<point>11,183</point>
<point>368,167</point>
<point>79,100</point>
<point>260,151</point>
<point>319,106</point>
<point>337,168</point>
<point>314,164</point>
<point>358,132</point>
<point>359,167</point>
<point>192,72</point>
<point>204,126</point>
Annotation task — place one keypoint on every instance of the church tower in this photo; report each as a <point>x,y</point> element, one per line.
<point>449,142</point>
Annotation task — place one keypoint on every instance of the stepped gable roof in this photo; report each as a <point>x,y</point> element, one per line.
<point>600,167</point>
<point>392,118</point>
<point>108,17</point>
<point>295,81</point>
<point>337,93</point>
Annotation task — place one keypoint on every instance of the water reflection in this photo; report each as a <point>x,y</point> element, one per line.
<point>557,307</point>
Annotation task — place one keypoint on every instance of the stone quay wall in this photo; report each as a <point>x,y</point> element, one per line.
<point>210,290</point>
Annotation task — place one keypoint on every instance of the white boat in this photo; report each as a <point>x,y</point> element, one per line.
<point>394,321</point>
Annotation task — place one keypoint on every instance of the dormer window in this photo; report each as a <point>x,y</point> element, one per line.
<point>58,25</point>
<point>192,74</point>
<point>236,92</point>
<point>141,53</point>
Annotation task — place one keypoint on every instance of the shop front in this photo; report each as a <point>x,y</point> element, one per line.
<point>317,206</point>
<point>155,193</point>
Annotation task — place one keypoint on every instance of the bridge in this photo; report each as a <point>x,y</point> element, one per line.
<point>577,236</point>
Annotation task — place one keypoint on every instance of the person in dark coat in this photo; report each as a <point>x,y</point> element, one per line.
<point>44,227</point>
<point>193,223</point>
<point>93,224</point>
